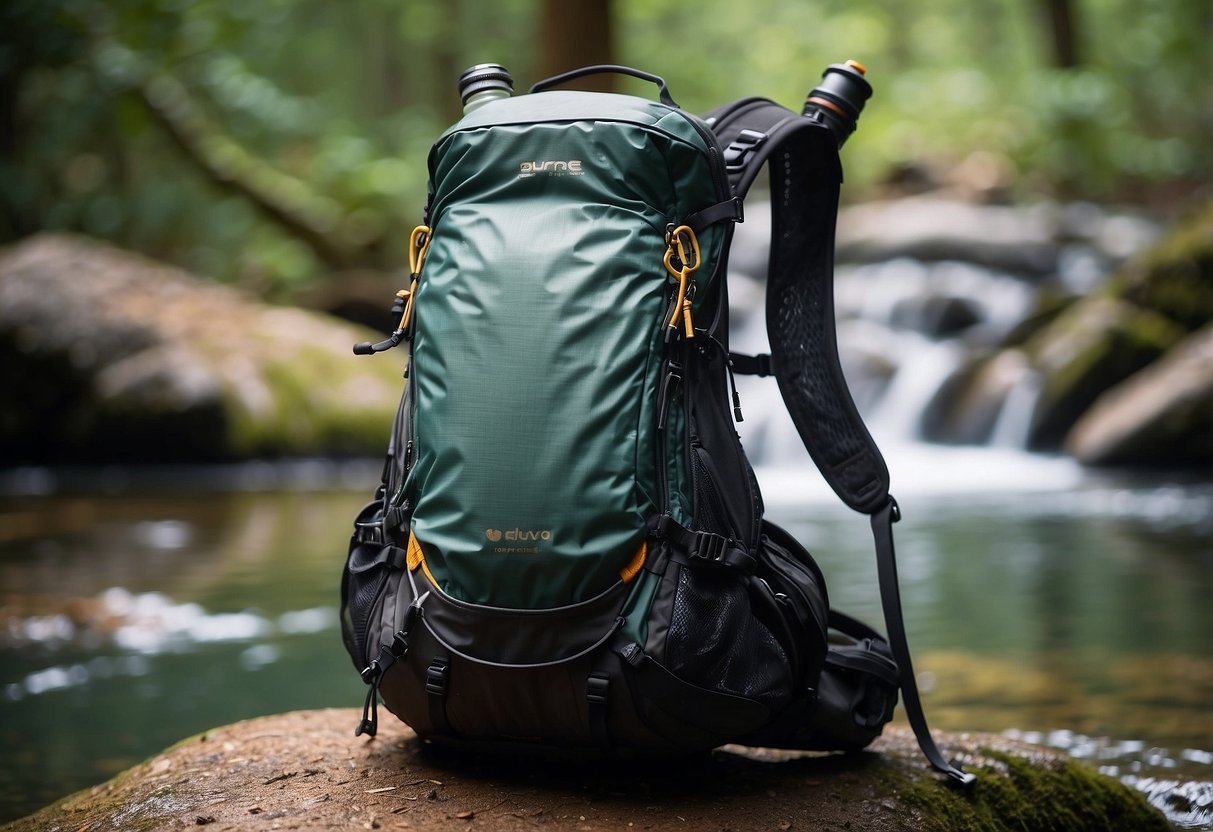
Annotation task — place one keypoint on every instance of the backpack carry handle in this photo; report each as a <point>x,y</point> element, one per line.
<point>663,91</point>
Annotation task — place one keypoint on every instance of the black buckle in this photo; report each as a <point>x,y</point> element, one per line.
<point>709,547</point>
<point>369,531</point>
<point>740,148</point>
<point>596,689</point>
<point>436,678</point>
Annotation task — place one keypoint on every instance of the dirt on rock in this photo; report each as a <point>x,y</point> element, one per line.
<point>306,770</point>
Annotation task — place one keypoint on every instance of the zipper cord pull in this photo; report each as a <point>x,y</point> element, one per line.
<point>419,246</point>
<point>373,673</point>
<point>733,386</point>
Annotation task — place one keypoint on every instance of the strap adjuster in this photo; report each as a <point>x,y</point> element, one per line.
<point>369,531</point>
<point>596,689</point>
<point>436,678</point>
<point>709,547</point>
<point>741,147</point>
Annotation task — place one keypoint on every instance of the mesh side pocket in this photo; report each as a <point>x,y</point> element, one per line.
<point>362,586</point>
<point>716,642</point>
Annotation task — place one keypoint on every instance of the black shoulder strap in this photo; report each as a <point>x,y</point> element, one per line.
<point>805,176</point>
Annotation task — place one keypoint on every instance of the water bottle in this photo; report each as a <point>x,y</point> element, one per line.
<point>838,100</point>
<point>482,83</point>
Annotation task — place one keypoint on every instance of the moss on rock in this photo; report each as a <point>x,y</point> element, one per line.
<point>1044,795</point>
<point>109,356</point>
<point>1174,277</point>
<point>1096,344</point>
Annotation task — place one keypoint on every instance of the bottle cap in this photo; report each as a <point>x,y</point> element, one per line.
<point>483,77</point>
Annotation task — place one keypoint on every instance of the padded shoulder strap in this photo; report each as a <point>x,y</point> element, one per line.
<point>805,179</point>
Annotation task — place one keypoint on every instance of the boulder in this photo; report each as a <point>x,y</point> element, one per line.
<point>306,770</point>
<point>1162,415</point>
<point>106,355</point>
<point>1174,277</point>
<point>934,227</point>
<point>1095,344</point>
<point>966,407</point>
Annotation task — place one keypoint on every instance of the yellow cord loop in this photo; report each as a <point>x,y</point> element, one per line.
<point>681,261</point>
<point>419,247</point>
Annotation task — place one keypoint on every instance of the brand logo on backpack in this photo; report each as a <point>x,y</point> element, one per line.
<point>517,537</point>
<point>571,167</point>
<point>516,534</point>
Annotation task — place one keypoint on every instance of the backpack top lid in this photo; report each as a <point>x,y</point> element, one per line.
<point>539,341</point>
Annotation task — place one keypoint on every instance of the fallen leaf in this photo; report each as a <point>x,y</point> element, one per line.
<point>466,815</point>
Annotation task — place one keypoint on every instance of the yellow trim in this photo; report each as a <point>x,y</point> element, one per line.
<point>426,569</point>
<point>637,562</point>
<point>415,556</point>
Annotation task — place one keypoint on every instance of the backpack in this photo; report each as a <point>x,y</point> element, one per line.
<point>567,551</point>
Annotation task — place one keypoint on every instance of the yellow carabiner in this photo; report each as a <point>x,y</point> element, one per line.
<point>678,237</point>
<point>419,247</point>
<point>688,263</point>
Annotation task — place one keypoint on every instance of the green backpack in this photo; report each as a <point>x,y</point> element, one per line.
<point>567,551</point>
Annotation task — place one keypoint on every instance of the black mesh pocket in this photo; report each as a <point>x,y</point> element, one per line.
<point>716,642</point>
<point>362,586</point>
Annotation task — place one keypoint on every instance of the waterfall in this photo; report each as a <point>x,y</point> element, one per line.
<point>1014,420</point>
<point>906,328</point>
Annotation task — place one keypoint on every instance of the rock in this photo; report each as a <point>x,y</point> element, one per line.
<point>106,355</point>
<point>1095,344</point>
<point>936,316</point>
<point>935,228</point>
<point>1162,415</point>
<point>966,407</point>
<point>1174,277</point>
<point>307,770</point>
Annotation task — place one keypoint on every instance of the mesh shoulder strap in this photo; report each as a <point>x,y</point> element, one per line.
<point>805,176</point>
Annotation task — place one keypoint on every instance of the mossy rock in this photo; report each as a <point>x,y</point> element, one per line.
<point>109,356</point>
<point>306,770</point>
<point>1174,277</point>
<point>1162,415</point>
<point>1094,345</point>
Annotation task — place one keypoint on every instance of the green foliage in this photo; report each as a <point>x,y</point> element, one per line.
<point>269,143</point>
<point>955,77</point>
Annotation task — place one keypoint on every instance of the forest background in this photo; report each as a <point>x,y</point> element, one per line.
<point>281,143</point>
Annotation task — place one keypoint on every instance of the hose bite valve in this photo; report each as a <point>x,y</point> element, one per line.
<point>838,100</point>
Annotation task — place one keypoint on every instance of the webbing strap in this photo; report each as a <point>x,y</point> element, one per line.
<point>890,599</point>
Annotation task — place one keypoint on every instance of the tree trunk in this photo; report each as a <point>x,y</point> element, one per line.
<point>1063,29</point>
<point>577,34</point>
